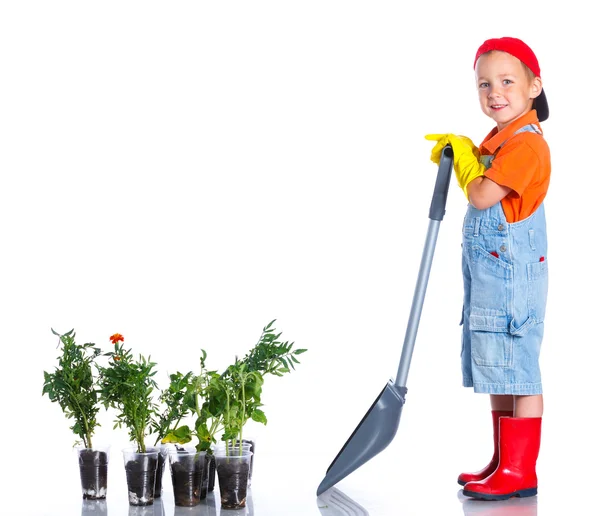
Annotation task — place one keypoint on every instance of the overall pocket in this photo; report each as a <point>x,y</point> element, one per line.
<point>491,280</point>
<point>537,289</point>
<point>491,342</point>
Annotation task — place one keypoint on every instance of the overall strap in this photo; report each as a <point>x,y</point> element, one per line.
<point>529,128</point>
<point>487,159</point>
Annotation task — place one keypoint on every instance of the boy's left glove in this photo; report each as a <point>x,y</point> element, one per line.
<point>466,157</point>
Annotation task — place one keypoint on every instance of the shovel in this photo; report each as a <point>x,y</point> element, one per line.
<point>380,424</point>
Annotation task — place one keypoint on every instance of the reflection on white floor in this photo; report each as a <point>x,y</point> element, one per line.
<point>331,503</point>
<point>207,507</point>
<point>402,481</point>
<point>94,508</point>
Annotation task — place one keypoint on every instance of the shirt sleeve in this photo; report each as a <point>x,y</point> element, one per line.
<point>515,165</point>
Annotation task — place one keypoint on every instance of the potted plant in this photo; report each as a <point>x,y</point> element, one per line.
<point>222,405</point>
<point>270,356</point>
<point>72,385</point>
<point>127,386</point>
<point>175,408</point>
<point>239,390</point>
<point>190,465</point>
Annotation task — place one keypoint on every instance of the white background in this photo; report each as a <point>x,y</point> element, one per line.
<point>185,172</point>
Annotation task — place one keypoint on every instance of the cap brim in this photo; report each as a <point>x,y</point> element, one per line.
<point>540,104</point>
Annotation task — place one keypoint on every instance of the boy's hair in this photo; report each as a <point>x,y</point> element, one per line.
<point>528,71</point>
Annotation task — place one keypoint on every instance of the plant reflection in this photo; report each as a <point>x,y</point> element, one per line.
<point>93,508</point>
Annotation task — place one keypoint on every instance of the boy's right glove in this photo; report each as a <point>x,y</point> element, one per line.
<point>466,157</point>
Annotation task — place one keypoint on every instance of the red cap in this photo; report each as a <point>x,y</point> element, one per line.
<point>517,48</point>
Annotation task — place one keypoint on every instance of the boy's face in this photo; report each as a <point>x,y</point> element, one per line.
<point>506,91</point>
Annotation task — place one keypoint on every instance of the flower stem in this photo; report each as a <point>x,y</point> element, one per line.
<point>243,411</point>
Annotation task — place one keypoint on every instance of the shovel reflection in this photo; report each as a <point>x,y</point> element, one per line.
<point>511,507</point>
<point>335,503</point>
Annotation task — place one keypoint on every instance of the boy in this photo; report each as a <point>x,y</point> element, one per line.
<point>505,263</point>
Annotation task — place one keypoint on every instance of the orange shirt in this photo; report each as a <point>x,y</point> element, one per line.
<point>522,163</point>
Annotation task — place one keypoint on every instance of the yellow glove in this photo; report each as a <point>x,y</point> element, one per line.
<point>466,157</point>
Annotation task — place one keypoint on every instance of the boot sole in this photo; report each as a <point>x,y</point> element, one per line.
<point>523,493</point>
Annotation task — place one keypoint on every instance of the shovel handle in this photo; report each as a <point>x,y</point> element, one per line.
<point>442,182</point>
<point>436,214</point>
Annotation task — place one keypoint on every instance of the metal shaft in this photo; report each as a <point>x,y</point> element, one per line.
<point>417,304</point>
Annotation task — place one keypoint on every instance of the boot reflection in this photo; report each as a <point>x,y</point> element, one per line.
<point>511,507</point>
<point>335,503</point>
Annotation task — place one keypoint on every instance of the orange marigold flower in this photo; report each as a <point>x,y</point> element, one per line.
<point>116,358</point>
<point>117,337</point>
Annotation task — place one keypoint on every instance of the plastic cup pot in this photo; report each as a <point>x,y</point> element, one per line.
<point>252,443</point>
<point>187,470</point>
<point>209,462</point>
<point>233,473</point>
<point>234,448</point>
<point>244,447</point>
<point>93,471</point>
<point>163,453</point>
<point>140,470</point>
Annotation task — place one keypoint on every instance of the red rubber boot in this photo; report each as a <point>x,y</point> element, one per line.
<point>515,474</point>
<point>463,478</point>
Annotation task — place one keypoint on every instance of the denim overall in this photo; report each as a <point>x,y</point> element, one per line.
<point>505,274</point>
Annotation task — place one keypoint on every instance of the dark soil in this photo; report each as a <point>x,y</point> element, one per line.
<point>211,473</point>
<point>93,470</point>
<point>187,482</point>
<point>205,477</point>
<point>159,475</point>
<point>233,483</point>
<point>141,476</point>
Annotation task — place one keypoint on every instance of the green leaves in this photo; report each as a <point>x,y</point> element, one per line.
<point>72,385</point>
<point>219,402</point>
<point>239,388</point>
<point>259,416</point>
<point>127,386</point>
<point>272,356</point>
<point>199,395</point>
<point>181,435</point>
<point>176,400</point>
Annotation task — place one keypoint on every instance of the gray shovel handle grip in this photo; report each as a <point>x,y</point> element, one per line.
<point>442,182</point>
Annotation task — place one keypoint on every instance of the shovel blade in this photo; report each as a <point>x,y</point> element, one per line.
<point>376,430</point>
